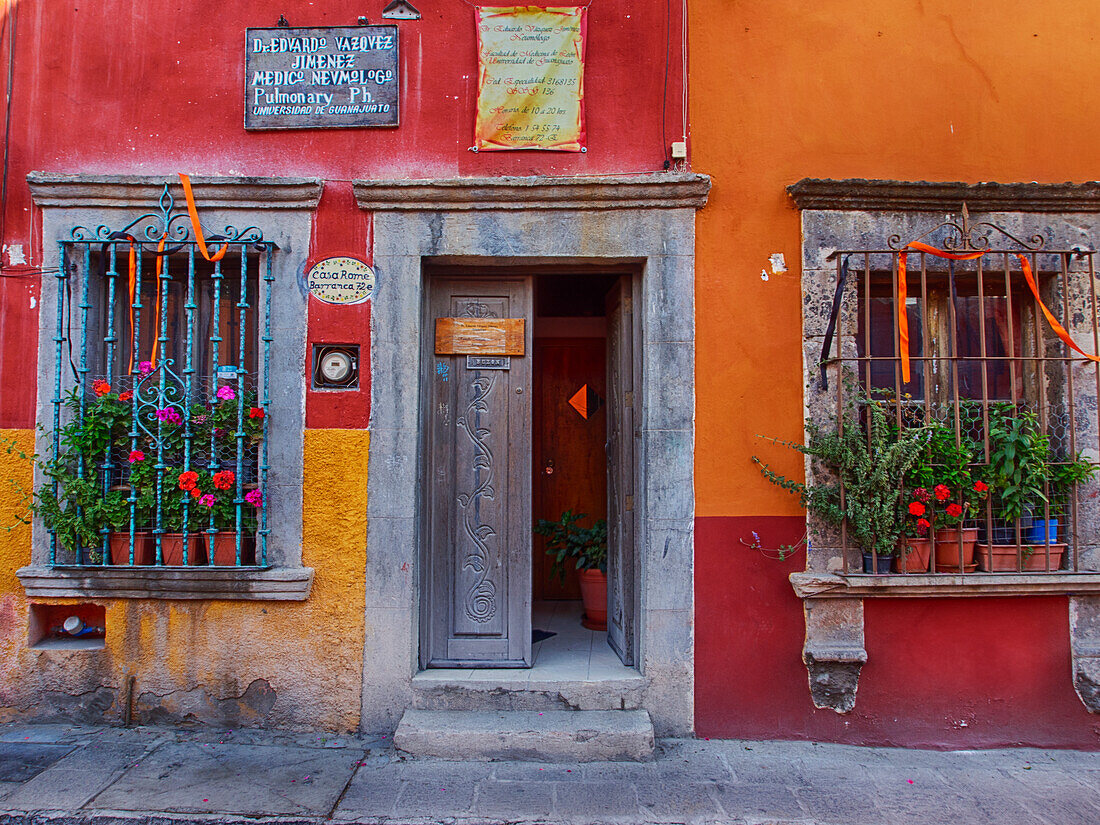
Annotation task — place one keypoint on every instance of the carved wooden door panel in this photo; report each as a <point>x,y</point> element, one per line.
<point>620,470</point>
<point>477,505</point>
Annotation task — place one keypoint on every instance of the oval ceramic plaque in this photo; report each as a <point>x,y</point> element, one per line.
<point>341,280</point>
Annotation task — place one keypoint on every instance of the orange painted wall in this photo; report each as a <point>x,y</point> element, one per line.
<point>784,89</point>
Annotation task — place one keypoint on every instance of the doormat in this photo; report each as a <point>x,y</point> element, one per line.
<point>540,635</point>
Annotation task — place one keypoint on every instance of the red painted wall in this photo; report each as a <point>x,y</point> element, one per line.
<point>939,673</point>
<point>158,87</point>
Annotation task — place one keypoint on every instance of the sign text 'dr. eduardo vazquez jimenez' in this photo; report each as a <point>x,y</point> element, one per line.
<point>321,78</point>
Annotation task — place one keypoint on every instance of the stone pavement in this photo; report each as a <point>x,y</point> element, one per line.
<point>64,774</point>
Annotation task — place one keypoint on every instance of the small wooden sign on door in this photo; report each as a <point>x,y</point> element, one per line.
<point>479,336</point>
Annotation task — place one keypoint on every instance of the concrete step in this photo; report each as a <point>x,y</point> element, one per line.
<point>437,690</point>
<point>527,735</point>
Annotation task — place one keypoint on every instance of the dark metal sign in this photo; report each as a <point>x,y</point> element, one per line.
<point>488,362</point>
<point>321,78</point>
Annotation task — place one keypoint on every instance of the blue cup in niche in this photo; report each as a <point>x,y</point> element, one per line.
<point>1040,530</point>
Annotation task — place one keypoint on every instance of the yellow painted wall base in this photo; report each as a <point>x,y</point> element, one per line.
<point>280,664</point>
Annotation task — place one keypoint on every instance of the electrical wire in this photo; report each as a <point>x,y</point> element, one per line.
<point>664,91</point>
<point>684,55</point>
<point>9,18</point>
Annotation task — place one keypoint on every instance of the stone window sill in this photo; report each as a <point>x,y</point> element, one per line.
<point>909,585</point>
<point>271,584</point>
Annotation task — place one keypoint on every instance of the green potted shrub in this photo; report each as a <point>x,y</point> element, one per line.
<point>1063,474</point>
<point>80,503</point>
<point>943,488</point>
<point>870,464</point>
<point>586,547</point>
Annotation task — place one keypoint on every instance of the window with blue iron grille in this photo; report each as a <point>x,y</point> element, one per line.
<point>159,449</point>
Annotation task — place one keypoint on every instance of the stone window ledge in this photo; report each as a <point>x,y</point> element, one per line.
<point>271,584</point>
<point>909,585</point>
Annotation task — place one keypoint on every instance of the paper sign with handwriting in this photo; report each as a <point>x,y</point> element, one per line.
<point>530,78</point>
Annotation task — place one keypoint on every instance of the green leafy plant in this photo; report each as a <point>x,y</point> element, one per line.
<point>566,539</point>
<point>1018,460</point>
<point>870,465</point>
<point>1063,476</point>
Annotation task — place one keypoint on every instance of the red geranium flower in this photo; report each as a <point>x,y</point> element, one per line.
<point>100,388</point>
<point>942,491</point>
<point>255,412</point>
<point>916,508</point>
<point>188,480</point>
<point>954,510</point>
<point>920,494</point>
<point>196,493</point>
<point>980,486</point>
<point>126,396</point>
<point>922,526</point>
<point>224,480</point>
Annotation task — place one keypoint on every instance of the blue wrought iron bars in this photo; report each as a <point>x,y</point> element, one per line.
<point>174,439</point>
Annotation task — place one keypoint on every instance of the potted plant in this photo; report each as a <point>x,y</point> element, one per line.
<point>80,504</point>
<point>869,466</point>
<point>1064,475</point>
<point>915,547</point>
<point>1018,468</point>
<point>221,501</point>
<point>587,548</point>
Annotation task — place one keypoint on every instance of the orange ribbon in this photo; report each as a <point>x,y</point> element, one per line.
<point>1059,330</point>
<point>195,225</point>
<point>903,317</point>
<point>133,289</point>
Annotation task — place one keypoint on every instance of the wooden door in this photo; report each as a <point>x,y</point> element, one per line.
<point>570,465</point>
<point>477,527</point>
<point>620,469</point>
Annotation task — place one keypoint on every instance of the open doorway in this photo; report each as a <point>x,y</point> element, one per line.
<point>571,464</point>
<point>510,437</point>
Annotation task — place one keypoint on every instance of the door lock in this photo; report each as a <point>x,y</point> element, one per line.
<point>549,468</point>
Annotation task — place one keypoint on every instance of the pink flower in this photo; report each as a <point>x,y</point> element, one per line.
<point>136,455</point>
<point>170,415</point>
<point>226,393</point>
<point>255,498</point>
<point>922,495</point>
<point>207,500</point>
<point>145,367</point>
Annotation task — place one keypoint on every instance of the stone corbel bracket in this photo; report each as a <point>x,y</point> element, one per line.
<point>833,652</point>
<point>1084,645</point>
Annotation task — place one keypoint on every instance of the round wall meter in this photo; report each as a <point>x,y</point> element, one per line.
<point>335,366</point>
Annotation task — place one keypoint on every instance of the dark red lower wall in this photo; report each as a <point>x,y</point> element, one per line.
<point>944,673</point>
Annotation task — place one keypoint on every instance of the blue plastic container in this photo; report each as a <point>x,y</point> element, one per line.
<point>1040,529</point>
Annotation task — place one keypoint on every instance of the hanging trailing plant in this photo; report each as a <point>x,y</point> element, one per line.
<point>869,465</point>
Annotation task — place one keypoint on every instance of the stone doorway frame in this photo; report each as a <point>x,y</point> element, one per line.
<point>645,220</point>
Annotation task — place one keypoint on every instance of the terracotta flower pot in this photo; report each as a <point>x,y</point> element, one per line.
<point>223,549</point>
<point>1001,558</point>
<point>594,597</point>
<point>947,549</point>
<point>913,555</point>
<point>171,549</point>
<point>144,548</point>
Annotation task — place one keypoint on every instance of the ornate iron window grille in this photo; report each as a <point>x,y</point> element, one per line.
<point>1037,372</point>
<point>167,409</point>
